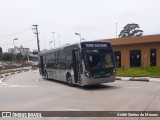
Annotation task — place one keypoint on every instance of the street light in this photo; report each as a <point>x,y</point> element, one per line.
<point>53,38</point>
<point>14,40</point>
<point>79,35</point>
<point>14,49</point>
<point>59,36</point>
<point>50,44</point>
<point>116,30</point>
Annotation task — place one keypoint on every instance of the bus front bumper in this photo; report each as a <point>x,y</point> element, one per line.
<point>94,81</point>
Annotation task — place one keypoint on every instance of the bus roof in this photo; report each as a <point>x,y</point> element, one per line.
<point>57,48</point>
<point>67,45</point>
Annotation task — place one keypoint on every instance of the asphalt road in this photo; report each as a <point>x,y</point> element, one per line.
<point>27,91</point>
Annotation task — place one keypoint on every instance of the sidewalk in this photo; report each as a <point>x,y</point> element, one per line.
<point>144,79</point>
<point>18,70</point>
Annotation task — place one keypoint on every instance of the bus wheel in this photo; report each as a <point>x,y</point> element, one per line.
<point>69,80</point>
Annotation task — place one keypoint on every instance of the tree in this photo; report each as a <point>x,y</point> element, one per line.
<point>21,57</point>
<point>131,30</point>
<point>0,50</point>
<point>24,57</point>
<point>7,56</point>
<point>0,53</point>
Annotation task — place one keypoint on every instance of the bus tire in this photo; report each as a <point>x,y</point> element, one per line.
<point>69,80</point>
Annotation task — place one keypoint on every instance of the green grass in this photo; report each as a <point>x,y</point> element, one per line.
<point>7,71</point>
<point>139,72</point>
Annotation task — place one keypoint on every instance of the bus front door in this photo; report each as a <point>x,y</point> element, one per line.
<point>41,65</point>
<point>77,65</point>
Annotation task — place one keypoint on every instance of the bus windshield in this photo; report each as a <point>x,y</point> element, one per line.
<point>98,59</point>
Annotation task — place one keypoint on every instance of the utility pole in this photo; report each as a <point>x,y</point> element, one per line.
<point>36,32</point>
<point>54,39</point>
<point>15,48</point>
<point>116,30</point>
<point>79,36</point>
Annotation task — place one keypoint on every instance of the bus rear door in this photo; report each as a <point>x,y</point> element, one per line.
<point>41,65</point>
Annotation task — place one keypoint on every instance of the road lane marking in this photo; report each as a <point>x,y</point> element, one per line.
<point>20,86</point>
<point>2,84</point>
<point>133,87</point>
<point>1,80</point>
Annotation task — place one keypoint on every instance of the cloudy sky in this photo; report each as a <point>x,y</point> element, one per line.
<point>93,19</point>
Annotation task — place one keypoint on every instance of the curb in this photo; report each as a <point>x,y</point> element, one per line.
<point>141,79</point>
<point>117,78</point>
<point>18,71</point>
<point>1,80</point>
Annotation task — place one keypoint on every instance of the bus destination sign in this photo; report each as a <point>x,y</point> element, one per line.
<point>96,45</point>
<point>91,45</point>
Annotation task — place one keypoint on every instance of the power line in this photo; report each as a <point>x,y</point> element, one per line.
<point>12,34</point>
<point>19,42</point>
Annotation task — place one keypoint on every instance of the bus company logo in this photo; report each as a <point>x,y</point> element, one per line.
<point>6,114</point>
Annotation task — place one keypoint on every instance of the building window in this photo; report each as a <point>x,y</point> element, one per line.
<point>117,55</point>
<point>153,57</point>
<point>135,58</point>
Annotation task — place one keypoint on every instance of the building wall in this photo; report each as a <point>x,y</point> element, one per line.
<point>145,53</point>
<point>19,50</point>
